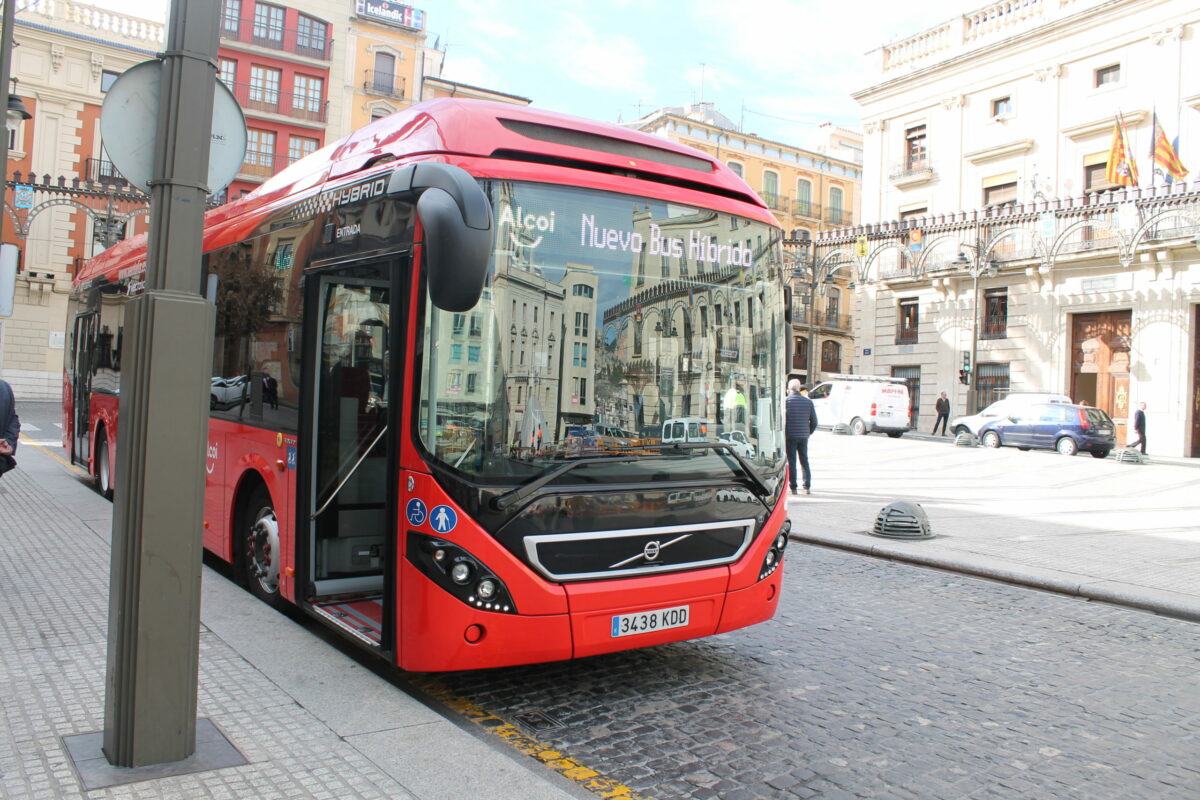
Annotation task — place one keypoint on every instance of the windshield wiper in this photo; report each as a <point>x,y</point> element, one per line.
<point>761,487</point>
<point>521,492</point>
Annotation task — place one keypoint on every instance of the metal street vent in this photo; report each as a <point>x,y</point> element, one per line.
<point>966,439</point>
<point>902,520</point>
<point>1129,456</point>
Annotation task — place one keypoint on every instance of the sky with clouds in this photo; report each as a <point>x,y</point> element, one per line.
<point>777,68</point>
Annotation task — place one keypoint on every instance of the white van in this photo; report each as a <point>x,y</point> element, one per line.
<point>864,403</point>
<point>685,429</point>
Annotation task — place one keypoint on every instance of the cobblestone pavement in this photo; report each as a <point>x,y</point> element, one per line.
<point>884,680</point>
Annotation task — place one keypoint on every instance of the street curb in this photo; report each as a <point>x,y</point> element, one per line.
<point>1167,604</point>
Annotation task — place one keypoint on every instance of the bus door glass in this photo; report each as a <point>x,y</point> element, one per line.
<point>83,340</point>
<point>350,439</point>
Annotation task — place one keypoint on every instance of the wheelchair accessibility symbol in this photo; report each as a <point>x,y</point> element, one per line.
<point>415,512</point>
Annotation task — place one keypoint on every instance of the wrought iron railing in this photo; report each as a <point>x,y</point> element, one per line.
<point>257,97</point>
<point>387,84</point>
<point>311,42</point>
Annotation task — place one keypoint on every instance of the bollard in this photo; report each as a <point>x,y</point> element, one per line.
<point>902,520</point>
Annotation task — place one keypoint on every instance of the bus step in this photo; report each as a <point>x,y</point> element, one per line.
<point>361,618</point>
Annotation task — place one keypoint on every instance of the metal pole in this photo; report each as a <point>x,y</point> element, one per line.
<point>6,32</point>
<point>154,592</point>
<point>972,383</point>
<point>812,333</point>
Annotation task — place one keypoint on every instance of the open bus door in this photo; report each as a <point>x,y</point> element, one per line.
<point>83,340</point>
<point>346,509</point>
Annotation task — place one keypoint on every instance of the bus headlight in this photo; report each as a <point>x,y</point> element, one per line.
<point>459,573</point>
<point>774,556</point>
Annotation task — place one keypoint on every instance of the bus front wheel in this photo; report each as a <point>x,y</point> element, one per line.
<point>259,532</point>
<point>103,471</point>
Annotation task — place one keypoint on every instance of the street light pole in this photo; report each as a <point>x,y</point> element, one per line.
<point>977,265</point>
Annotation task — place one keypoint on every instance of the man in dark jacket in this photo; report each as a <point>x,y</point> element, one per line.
<point>942,406</point>
<point>800,422</point>
<point>1139,427</point>
<point>10,428</point>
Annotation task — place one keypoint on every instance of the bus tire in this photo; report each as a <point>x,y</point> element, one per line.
<point>258,546</point>
<point>103,470</point>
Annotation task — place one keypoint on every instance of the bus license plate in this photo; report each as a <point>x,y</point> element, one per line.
<point>660,619</point>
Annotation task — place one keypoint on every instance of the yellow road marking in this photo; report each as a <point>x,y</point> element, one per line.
<point>73,467</point>
<point>588,778</point>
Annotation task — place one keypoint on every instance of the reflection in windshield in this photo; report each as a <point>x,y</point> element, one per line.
<point>609,324</point>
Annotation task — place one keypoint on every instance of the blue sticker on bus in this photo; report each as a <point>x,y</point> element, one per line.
<point>443,519</point>
<point>291,458</point>
<point>415,512</point>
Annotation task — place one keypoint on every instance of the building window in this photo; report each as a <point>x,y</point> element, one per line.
<point>804,197</point>
<point>912,376</point>
<point>916,155</point>
<point>379,112</point>
<point>306,93</point>
<point>459,322</point>
<point>107,79</point>
<point>383,77</point>
<point>832,307</point>
<point>835,205</point>
<point>472,382</point>
<point>476,325</point>
<point>913,213</point>
<point>800,353</point>
<point>831,356</point>
<point>260,148</point>
<point>299,147</point>
<point>906,328</point>
<point>473,353</point>
<point>770,187</point>
<point>456,352</point>
<point>1108,75</point>
<point>310,36</point>
<point>1095,178</point>
<point>581,290</point>
<point>231,12</point>
<point>991,384</point>
<point>228,72</point>
<point>1002,108</point>
<point>995,321</point>
<point>264,87</point>
<point>1003,195</point>
<point>268,25</point>
<point>581,324</point>
<point>736,167</point>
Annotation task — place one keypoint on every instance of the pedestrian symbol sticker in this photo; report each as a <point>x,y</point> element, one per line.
<point>443,519</point>
<point>415,512</point>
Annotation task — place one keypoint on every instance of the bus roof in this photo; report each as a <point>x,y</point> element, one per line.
<point>464,128</point>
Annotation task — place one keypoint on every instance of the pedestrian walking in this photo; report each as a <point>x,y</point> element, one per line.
<point>943,413</point>
<point>10,428</point>
<point>1139,427</point>
<point>271,391</point>
<point>800,422</point>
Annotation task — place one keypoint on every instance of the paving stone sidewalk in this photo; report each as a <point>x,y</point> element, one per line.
<point>311,721</point>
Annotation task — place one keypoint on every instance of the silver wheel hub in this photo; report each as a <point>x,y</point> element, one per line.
<point>263,552</point>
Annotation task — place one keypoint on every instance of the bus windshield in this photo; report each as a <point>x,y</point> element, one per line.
<point>610,325</point>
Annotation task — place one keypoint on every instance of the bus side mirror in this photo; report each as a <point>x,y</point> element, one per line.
<point>457,219</point>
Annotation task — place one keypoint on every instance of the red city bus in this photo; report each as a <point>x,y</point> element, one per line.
<point>412,321</point>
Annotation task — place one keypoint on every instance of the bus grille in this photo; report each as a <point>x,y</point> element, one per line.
<point>638,551</point>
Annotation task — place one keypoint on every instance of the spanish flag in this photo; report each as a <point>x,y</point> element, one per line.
<point>1163,154</point>
<point>1121,170</point>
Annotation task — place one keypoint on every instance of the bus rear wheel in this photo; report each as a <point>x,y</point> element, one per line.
<point>259,542</point>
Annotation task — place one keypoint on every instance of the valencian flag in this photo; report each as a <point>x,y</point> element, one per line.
<point>1121,170</point>
<point>1163,154</point>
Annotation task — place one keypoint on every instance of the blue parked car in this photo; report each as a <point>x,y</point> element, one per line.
<point>1052,426</point>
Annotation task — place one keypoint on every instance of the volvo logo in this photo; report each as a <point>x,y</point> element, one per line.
<point>650,551</point>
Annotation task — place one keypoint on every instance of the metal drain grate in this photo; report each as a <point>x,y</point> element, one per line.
<point>902,520</point>
<point>536,721</point>
<point>966,439</point>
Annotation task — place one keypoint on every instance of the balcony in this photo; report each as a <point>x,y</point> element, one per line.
<point>307,42</point>
<point>823,319</point>
<point>262,165</point>
<point>255,97</point>
<point>808,210</point>
<point>911,172</point>
<point>906,336</point>
<point>104,173</point>
<point>776,202</point>
<point>384,84</point>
